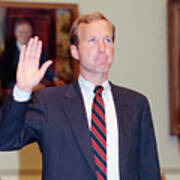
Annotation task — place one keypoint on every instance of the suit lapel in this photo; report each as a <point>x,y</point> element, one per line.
<point>76,115</point>
<point>124,114</point>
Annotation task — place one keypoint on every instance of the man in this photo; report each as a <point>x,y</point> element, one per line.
<point>114,141</point>
<point>23,30</point>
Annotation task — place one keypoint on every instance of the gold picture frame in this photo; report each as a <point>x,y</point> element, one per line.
<point>52,22</point>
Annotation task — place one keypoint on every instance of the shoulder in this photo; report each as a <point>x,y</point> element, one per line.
<point>9,50</point>
<point>57,92</point>
<point>53,91</point>
<point>11,47</point>
<point>129,95</point>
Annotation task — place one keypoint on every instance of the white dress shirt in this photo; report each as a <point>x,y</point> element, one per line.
<point>87,89</point>
<point>19,46</point>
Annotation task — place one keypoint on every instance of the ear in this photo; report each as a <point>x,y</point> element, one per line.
<point>74,52</point>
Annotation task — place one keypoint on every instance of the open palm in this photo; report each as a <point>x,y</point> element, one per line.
<point>29,74</point>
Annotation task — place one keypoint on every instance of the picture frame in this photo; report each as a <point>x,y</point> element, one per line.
<point>51,22</point>
<point>173,14</point>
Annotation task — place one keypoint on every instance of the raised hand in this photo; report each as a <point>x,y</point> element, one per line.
<point>28,72</point>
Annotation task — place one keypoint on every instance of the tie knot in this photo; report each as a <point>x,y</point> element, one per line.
<point>98,89</point>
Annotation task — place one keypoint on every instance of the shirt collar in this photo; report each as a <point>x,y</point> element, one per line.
<point>19,45</point>
<point>89,87</point>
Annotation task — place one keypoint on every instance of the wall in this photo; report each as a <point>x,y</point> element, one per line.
<point>140,63</point>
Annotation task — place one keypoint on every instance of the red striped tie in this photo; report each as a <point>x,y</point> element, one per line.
<point>98,134</point>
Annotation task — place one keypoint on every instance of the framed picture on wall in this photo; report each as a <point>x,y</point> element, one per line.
<point>174,64</point>
<point>51,22</point>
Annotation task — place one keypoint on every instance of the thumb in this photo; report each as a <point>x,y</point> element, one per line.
<point>44,67</point>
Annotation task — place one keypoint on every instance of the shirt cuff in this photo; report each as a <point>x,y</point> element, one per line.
<point>21,96</point>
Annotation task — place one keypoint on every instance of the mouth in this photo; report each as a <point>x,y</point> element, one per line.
<point>102,58</point>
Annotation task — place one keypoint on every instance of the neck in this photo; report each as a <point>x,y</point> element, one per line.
<point>95,79</point>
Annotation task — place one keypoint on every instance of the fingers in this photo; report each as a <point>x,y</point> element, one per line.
<point>32,46</point>
<point>22,56</point>
<point>38,51</point>
<point>44,67</point>
<point>33,52</point>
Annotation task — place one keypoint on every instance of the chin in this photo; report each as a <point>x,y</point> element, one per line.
<point>102,70</point>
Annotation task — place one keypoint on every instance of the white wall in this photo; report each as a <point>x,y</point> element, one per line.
<point>140,62</point>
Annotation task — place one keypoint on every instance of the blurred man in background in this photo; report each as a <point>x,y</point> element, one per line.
<point>23,30</point>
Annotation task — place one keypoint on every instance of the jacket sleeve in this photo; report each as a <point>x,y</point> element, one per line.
<point>149,163</point>
<point>20,123</point>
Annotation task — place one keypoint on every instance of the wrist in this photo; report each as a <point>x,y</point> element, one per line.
<point>24,89</point>
<point>20,95</point>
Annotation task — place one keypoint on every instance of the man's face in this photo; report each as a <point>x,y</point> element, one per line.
<point>96,48</point>
<point>23,32</point>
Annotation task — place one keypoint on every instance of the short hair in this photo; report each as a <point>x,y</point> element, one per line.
<point>87,18</point>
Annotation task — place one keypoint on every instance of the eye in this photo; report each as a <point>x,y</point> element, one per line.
<point>108,40</point>
<point>91,40</point>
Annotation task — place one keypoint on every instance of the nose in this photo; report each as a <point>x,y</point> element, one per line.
<point>101,46</point>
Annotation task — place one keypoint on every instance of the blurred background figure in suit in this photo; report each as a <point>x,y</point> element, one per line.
<point>23,30</point>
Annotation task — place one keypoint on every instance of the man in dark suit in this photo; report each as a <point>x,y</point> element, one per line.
<point>59,118</point>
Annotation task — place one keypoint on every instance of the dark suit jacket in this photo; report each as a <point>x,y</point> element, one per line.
<point>8,66</point>
<point>56,120</point>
